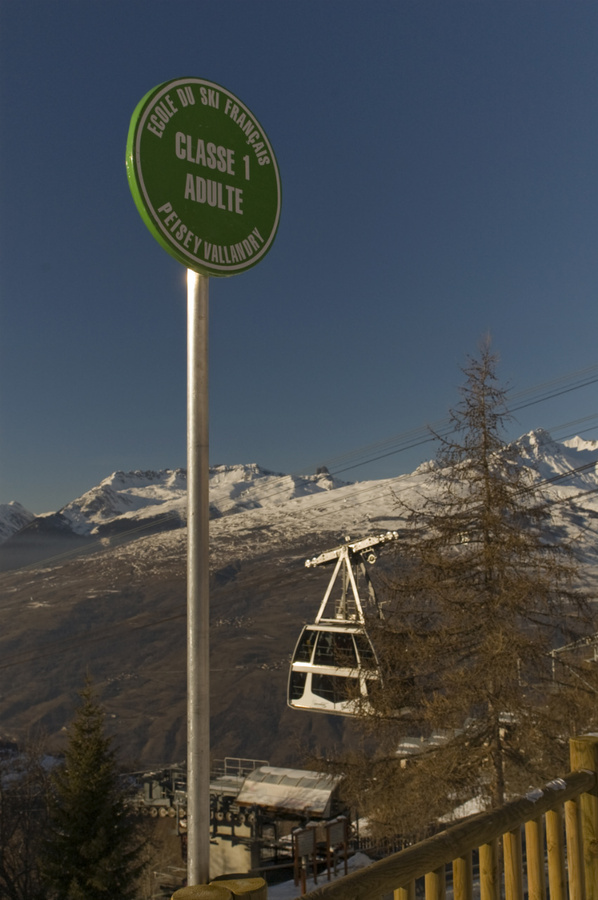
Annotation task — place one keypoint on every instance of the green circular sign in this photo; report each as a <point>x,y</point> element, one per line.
<point>203,176</point>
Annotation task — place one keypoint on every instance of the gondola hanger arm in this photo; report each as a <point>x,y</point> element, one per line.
<point>353,547</point>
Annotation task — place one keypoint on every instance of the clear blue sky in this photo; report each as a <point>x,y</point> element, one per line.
<point>439,163</point>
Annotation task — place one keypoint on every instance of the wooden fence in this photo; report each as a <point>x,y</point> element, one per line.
<point>560,824</point>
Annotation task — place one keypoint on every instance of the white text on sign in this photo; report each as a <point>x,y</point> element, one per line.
<point>221,158</point>
<point>223,254</point>
<point>205,190</point>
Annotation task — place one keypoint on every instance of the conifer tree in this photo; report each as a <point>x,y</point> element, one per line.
<point>93,847</point>
<point>482,589</point>
<point>22,822</point>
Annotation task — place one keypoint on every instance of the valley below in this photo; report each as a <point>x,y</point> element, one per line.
<point>119,614</point>
<point>109,600</point>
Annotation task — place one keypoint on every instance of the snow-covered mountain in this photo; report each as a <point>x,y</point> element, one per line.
<point>127,501</point>
<point>13,517</point>
<point>129,498</point>
<point>573,463</point>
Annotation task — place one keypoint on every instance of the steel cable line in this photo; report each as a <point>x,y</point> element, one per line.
<point>438,427</point>
<point>424,434</point>
<point>327,501</point>
<point>329,498</point>
<point>427,434</point>
<point>442,429</point>
<point>546,390</point>
<point>376,485</point>
<point>332,498</point>
<point>556,428</point>
<point>562,475</point>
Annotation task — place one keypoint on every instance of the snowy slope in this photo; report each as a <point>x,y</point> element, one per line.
<point>575,460</point>
<point>128,495</point>
<point>271,517</point>
<point>129,500</point>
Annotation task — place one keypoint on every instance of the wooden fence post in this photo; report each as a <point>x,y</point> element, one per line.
<point>574,852</point>
<point>534,843</point>
<point>435,884</point>
<point>555,846</point>
<point>513,864</point>
<point>463,877</point>
<point>489,877</point>
<point>405,893</point>
<point>584,755</point>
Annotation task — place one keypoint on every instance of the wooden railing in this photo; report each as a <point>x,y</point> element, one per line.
<point>560,824</point>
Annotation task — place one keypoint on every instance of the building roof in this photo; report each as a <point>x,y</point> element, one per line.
<point>289,790</point>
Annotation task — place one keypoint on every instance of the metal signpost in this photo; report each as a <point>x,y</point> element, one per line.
<point>206,183</point>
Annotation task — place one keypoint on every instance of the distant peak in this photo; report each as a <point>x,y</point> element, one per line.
<point>141,477</point>
<point>535,441</point>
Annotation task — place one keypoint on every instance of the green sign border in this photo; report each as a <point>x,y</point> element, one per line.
<point>136,160</point>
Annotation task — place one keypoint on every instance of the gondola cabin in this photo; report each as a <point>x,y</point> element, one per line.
<point>331,669</point>
<point>334,666</point>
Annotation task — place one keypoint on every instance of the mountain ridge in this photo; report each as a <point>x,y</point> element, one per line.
<point>139,494</point>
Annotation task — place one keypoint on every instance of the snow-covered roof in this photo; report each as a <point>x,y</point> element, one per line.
<point>289,790</point>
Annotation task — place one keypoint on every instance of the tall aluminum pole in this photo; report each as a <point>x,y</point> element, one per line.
<point>198,603</point>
